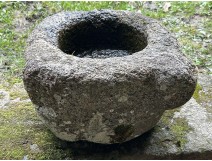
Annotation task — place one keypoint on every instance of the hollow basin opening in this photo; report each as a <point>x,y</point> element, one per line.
<point>104,39</point>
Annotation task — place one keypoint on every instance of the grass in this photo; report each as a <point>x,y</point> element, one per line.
<point>191,38</point>
<point>19,125</point>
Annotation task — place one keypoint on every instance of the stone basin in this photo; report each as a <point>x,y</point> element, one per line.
<point>105,76</point>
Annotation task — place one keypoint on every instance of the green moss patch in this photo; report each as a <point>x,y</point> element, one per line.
<point>196,94</point>
<point>18,93</point>
<point>168,115</point>
<point>203,98</point>
<point>178,127</point>
<point>21,127</point>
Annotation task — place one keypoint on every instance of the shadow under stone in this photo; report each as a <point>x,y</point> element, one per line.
<point>133,149</point>
<point>90,150</point>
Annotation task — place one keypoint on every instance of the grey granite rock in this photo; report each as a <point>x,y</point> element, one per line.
<point>181,133</point>
<point>112,99</point>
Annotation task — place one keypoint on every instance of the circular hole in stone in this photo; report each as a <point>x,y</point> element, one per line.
<point>101,40</point>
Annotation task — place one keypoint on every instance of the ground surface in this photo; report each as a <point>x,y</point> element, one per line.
<point>181,133</point>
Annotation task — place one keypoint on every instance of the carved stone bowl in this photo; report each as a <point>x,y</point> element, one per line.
<point>105,76</point>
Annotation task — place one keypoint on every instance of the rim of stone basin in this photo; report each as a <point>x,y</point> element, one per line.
<point>144,35</point>
<point>160,47</point>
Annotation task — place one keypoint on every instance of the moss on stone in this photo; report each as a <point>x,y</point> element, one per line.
<point>168,115</point>
<point>17,91</point>
<point>200,96</point>
<point>196,92</point>
<point>203,98</point>
<point>18,94</point>
<point>21,127</point>
<point>180,128</point>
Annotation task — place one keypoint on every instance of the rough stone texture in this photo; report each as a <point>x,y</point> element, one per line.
<point>162,142</point>
<point>109,100</point>
<point>182,133</point>
<point>200,137</point>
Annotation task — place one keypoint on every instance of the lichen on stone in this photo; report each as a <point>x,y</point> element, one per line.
<point>180,128</point>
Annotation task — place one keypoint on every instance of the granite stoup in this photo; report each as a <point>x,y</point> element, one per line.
<point>81,93</point>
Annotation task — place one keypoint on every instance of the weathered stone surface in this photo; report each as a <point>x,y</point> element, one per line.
<point>107,100</point>
<point>182,133</point>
